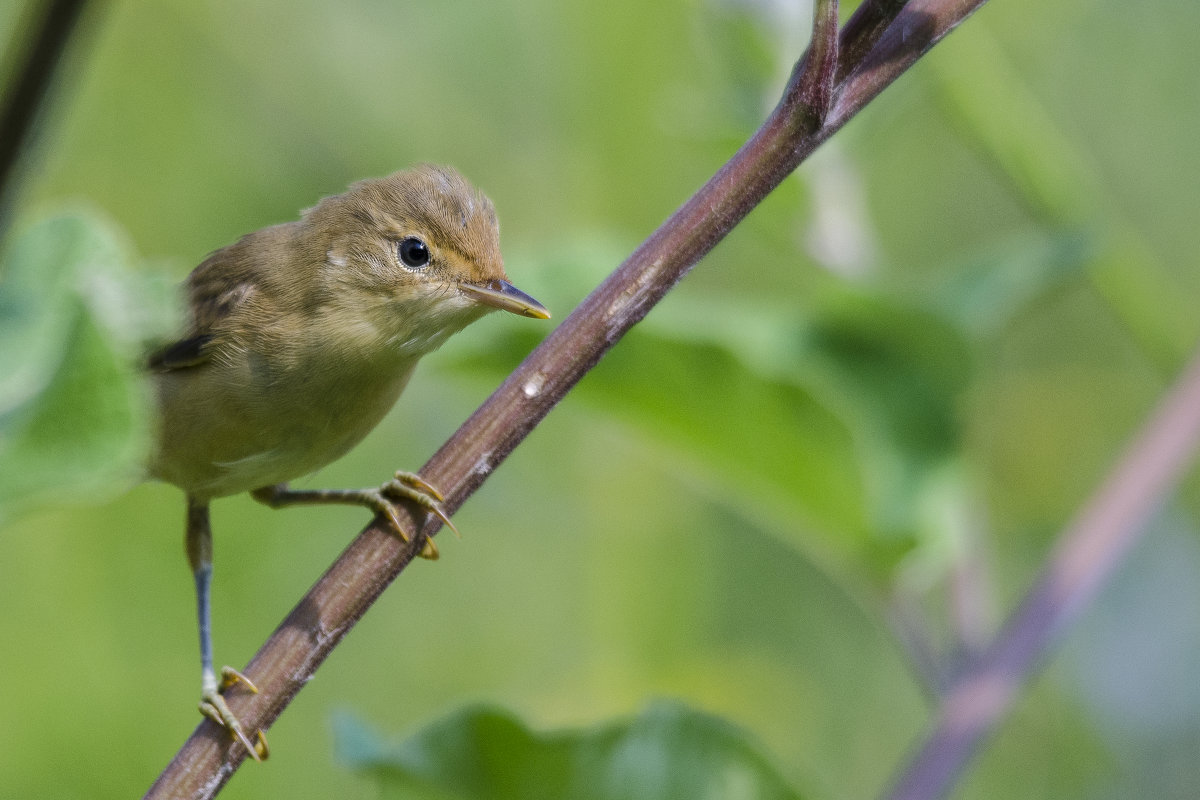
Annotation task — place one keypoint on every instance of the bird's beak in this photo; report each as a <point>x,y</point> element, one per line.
<point>506,297</point>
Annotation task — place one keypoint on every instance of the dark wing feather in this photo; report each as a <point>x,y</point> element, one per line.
<point>212,300</point>
<point>190,352</point>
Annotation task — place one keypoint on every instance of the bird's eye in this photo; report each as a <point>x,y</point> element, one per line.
<point>413,252</point>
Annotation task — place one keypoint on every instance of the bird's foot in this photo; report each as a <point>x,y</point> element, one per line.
<point>213,706</point>
<point>412,488</point>
<point>406,487</point>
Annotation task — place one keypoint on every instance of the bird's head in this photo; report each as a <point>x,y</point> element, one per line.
<point>415,254</point>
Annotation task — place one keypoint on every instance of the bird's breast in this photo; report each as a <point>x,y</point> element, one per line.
<point>239,424</point>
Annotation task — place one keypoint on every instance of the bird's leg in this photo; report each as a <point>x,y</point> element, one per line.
<point>406,486</point>
<point>212,702</point>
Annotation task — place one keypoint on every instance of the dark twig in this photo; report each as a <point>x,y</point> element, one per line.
<point>375,558</point>
<point>897,45</point>
<point>1086,554</point>
<point>814,72</point>
<point>30,86</point>
<point>862,31</point>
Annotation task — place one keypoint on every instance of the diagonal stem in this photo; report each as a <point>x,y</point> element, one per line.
<point>372,561</point>
<point>1086,554</point>
<point>34,76</point>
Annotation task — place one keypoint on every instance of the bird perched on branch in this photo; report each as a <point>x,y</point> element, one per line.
<point>302,336</point>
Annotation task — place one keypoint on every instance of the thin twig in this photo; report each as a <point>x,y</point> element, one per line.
<point>1086,554</point>
<point>26,97</point>
<point>862,31</point>
<point>375,558</point>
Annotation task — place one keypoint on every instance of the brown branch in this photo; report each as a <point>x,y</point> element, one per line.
<point>1086,554</point>
<point>373,560</point>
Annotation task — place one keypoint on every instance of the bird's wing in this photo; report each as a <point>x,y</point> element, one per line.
<point>190,352</point>
<point>212,300</point>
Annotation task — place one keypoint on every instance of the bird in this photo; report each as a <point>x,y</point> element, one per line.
<point>299,338</point>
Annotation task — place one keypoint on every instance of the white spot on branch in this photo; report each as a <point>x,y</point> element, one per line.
<point>483,466</point>
<point>533,387</point>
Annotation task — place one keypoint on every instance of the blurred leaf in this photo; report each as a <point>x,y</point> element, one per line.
<point>668,751</point>
<point>761,439</point>
<point>38,305</point>
<point>983,295</point>
<point>74,417</point>
<point>883,377</point>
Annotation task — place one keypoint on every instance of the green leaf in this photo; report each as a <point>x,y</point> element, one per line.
<point>74,416</point>
<point>668,751</point>
<point>991,287</point>
<point>38,307</point>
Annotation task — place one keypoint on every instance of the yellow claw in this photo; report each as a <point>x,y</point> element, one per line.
<point>213,706</point>
<point>412,487</point>
<point>420,484</point>
<point>231,677</point>
<point>430,551</point>
<point>261,751</point>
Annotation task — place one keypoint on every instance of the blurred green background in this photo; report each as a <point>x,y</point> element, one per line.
<point>868,411</point>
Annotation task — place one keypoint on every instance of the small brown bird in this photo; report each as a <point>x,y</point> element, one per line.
<point>301,338</point>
